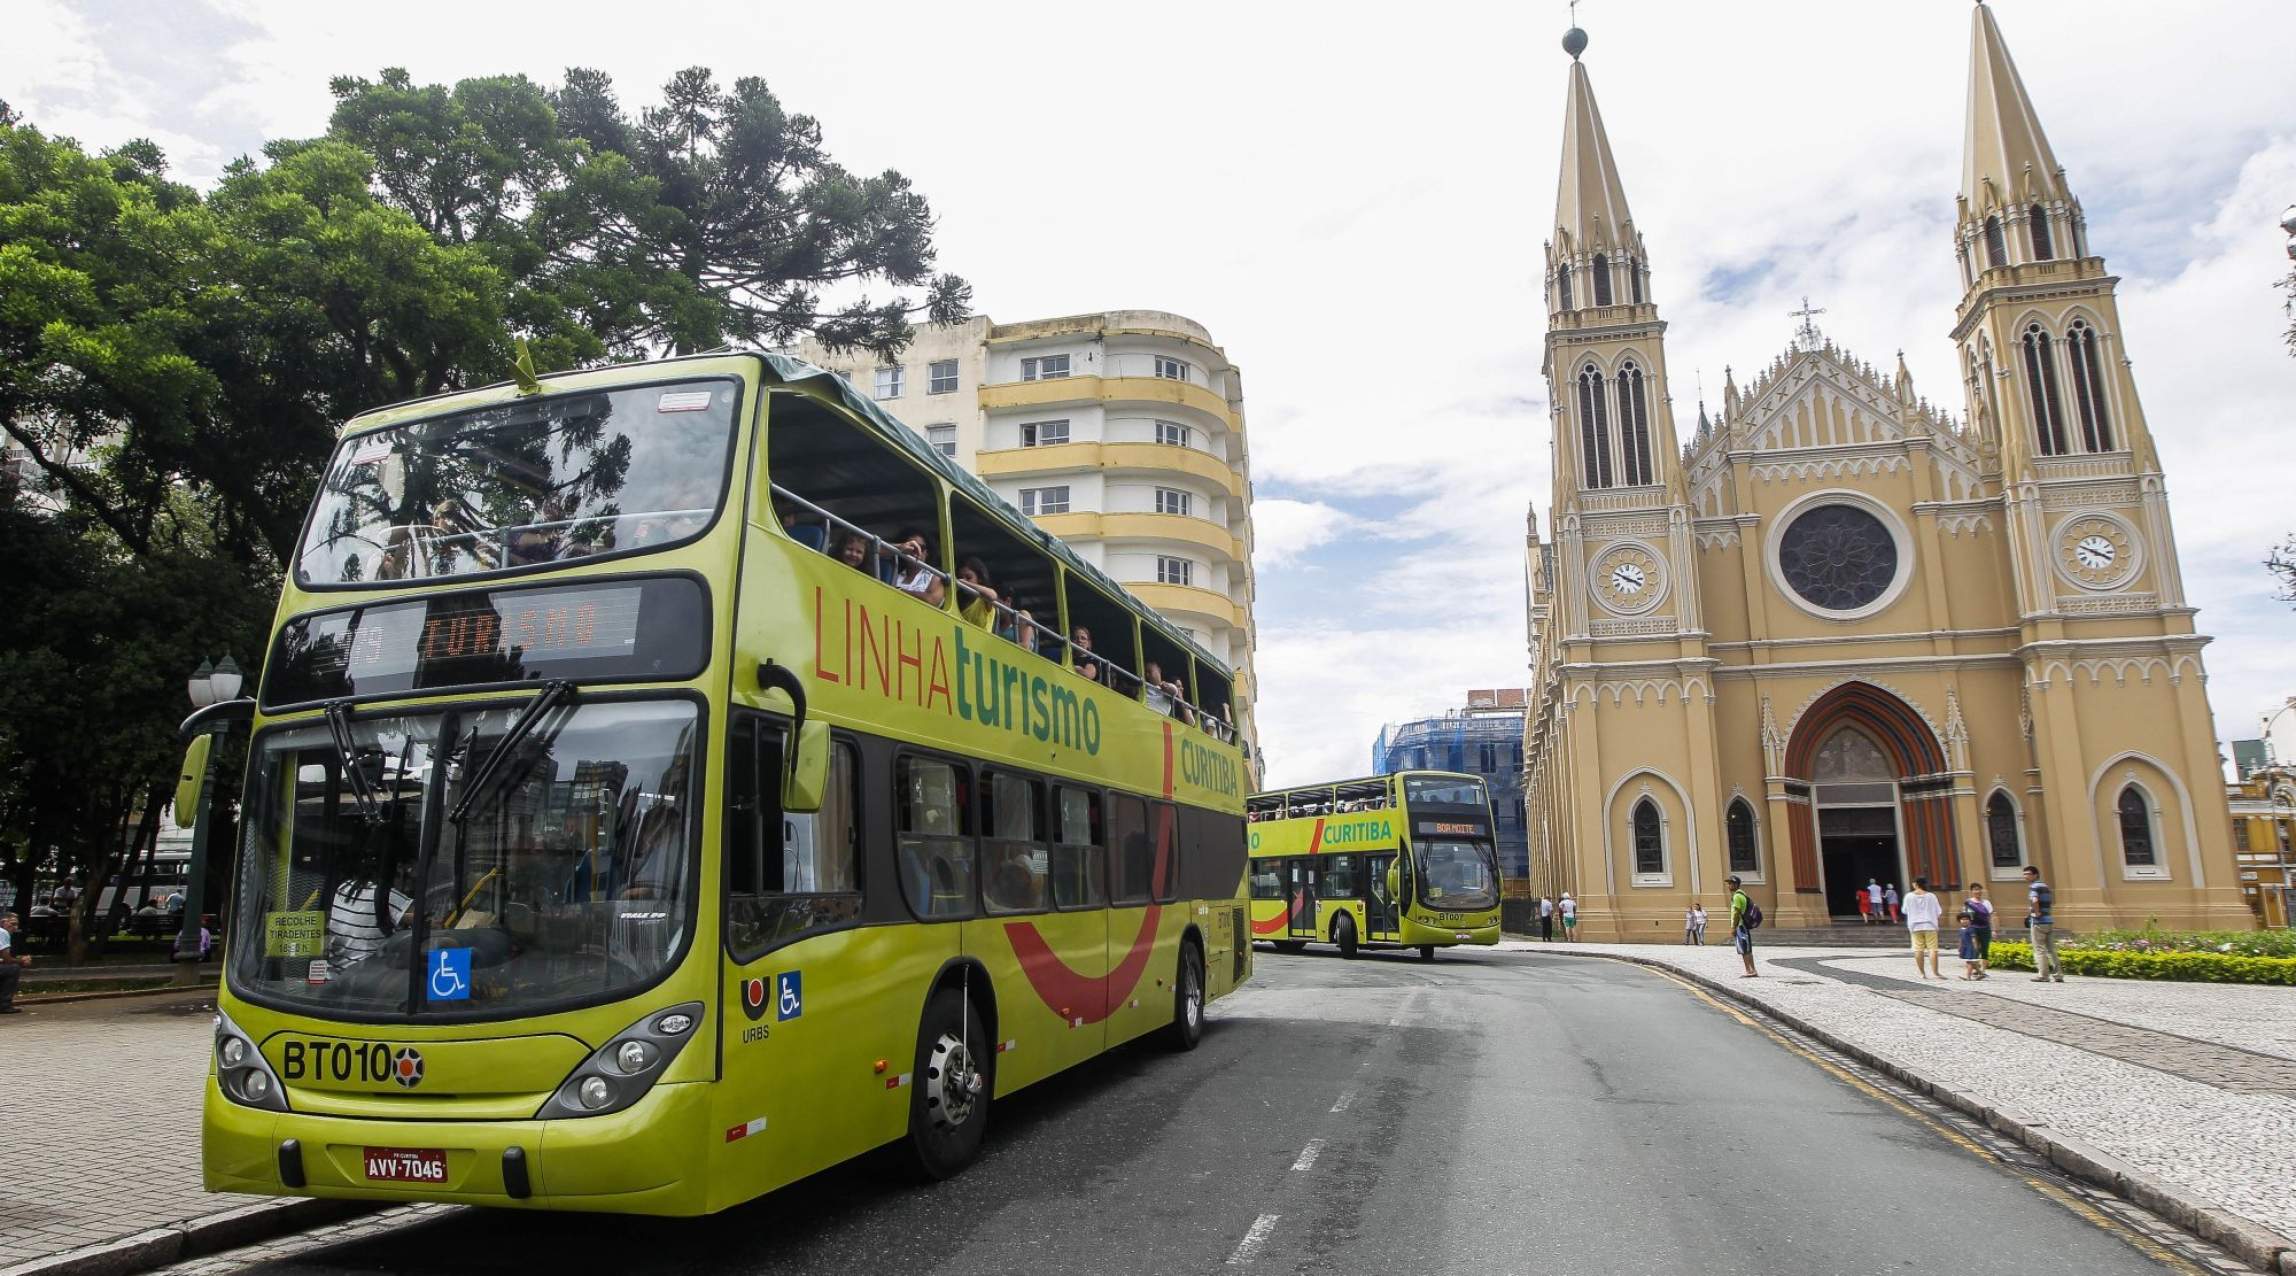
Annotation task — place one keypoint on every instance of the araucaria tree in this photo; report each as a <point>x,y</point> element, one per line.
<point>714,217</point>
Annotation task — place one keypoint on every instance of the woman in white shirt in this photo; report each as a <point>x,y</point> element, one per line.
<point>914,574</point>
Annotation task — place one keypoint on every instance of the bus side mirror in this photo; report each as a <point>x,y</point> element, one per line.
<point>806,773</point>
<point>808,778</point>
<point>188,781</point>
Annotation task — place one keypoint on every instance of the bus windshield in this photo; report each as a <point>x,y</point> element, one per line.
<point>517,484</point>
<point>1443,790</point>
<point>555,874</point>
<point>1458,877</point>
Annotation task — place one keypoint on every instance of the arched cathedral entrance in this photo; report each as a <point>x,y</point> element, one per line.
<point>1868,797</point>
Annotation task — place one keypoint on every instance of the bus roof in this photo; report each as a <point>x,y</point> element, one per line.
<point>1366,779</point>
<point>829,387</point>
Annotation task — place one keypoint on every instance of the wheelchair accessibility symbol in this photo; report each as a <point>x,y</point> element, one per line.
<point>789,994</point>
<point>450,974</point>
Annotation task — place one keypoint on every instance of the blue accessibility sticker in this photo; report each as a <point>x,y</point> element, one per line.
<point>789,996</point>
<point>449,974</point>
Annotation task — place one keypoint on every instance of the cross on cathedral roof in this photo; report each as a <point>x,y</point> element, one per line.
<point>1807,336</point>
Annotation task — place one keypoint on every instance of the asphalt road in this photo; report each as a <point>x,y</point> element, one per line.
<point>1487,1113</point>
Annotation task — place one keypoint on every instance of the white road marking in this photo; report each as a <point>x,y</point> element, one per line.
<point>1308,1154</point>
<point>1346,1097</point>
<point>1248,1248</point>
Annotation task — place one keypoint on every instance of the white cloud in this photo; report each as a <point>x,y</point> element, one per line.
<point>1357,216</point>
<point>1282,529</point>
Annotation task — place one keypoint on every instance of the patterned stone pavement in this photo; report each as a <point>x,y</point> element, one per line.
<point>101,1107</point>
<point>2187,1083</point>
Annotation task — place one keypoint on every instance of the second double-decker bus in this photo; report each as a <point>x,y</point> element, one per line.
<point>1389,861</point>
<point>651,800</point>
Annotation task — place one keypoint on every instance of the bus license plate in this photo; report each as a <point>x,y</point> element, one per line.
<point>406,1165</point>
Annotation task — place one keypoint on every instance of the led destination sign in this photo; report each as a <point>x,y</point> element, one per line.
<point>649,629</point>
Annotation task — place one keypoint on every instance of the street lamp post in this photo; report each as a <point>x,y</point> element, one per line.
<point>210,684</point>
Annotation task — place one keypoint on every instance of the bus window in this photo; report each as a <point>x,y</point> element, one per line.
<point>1131,847</point>
<point>1267,880</point>
<point>1214,697</point>
<point>1164,833</point>
<point>785,874</point>
<point>934,837</point>
<point>1079,876</point>
<point>1444,790</point>
<point>1265,806</point>
<point>1014,863</point>
<point>1115,660</point>
<point>1019,599</point>
<point>1339,877</point>
<point>1164,670</point>
<point>832,474</point>
<point>525,483</point>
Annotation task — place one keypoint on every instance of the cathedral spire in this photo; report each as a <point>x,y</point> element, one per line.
<point>2007,160</point>
<point>1590,202</point>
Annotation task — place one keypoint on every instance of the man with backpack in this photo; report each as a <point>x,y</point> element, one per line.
<point>1745,916</point>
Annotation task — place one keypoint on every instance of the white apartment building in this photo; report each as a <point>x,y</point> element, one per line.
<point>1120,432</point>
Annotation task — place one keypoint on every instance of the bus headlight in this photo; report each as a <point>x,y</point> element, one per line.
<point>240,1071</point>
<point>620,1072</point>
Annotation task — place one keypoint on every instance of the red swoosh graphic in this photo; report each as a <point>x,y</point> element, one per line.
<point>1092,998</point>
<point>1270,926</point>
<point>1315,839</point>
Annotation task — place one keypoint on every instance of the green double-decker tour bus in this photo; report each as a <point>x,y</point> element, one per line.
<point>644,811</point>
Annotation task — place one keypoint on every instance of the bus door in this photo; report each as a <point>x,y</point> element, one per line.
<point>1299,890</point>
<point>1382,915</point>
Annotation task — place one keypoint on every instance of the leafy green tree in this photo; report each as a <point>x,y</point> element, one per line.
<point>715,217</point>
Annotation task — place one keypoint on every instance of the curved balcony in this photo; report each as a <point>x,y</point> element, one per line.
<point>1183,601</point>
<point>1179,529</point>
<point>1074,458</point>
<point>1089,389</point>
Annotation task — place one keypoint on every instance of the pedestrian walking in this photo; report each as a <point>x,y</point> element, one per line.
<point>1744,917</point>
<point>1976,932</point>
<point>2041,927</point>
<point>1873,900</point>
<point>1889,899</point>
<point>1865,909</point>
<point>1694,924</point>
<point>1922,911</point>
<point>12,964</point>
<point>1546,920</point>
<point>1569,909</point>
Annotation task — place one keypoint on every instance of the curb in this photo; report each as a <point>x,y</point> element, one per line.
<point>193,1238</point>
<point>66,998</point>
<point>2252,1243</point>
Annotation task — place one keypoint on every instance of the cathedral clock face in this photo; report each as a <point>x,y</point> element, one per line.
<point>1629,578</point>
<point>2096,551</point>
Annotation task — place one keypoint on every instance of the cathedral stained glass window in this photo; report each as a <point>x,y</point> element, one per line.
<point>1838,557</point>
<point>2136,828</point>
<point>1739,824</point>
<point>1649,842</point>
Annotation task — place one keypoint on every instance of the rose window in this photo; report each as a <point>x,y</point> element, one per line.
<point>1838,557</point>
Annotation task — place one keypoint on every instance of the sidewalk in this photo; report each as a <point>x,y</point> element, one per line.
<point>2192,1085</point>
<point>102,1113</point>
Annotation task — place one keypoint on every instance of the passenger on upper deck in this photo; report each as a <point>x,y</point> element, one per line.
<point>915,574</point>
<point>1084,665</point>
<point>976,595</point>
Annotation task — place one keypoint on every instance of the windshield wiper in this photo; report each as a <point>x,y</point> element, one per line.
<point>347,752</point>
<point>552,693</point>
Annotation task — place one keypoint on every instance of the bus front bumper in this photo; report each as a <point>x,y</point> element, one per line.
<point>642,1160</point>
<point>1416,933</point>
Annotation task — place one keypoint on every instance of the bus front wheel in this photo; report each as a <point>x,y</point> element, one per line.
<point>1426,952</point>
<point>1187,1000</point>
<point>1343,934</point>
<point>949,1090</point>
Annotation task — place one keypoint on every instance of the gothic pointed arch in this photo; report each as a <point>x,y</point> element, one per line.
<point>1594,428</point>
<point>1909,751</point>
<point>1634,425</point>
<point>1743,837</point>
<point>1649,840</point>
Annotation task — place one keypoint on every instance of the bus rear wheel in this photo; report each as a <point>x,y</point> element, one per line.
<point>1426,952</point>
<point>1187,1000</point>
<point>1343,934</point>
<point>949,1090</point>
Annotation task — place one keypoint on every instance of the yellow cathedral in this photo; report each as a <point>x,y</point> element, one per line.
<point>1837,636</point>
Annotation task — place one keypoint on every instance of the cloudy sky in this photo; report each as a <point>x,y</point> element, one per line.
<point>1353,200</point>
